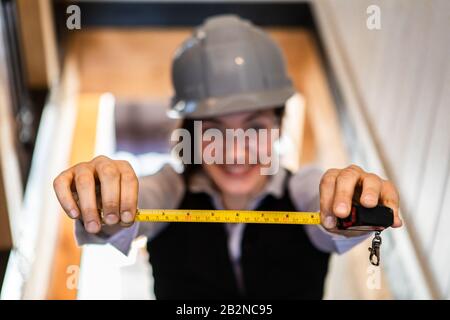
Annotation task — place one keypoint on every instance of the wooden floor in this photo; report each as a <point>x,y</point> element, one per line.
<point>135,64</point>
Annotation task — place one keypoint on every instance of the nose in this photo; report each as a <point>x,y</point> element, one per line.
<point>241,152</point>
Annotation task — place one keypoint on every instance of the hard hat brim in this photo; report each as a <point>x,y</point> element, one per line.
<point>217,106</point>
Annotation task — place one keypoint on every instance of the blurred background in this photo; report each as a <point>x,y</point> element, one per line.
<point>82,78</point>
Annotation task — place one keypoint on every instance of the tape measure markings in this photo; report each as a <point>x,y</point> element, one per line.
<point>227,216</point>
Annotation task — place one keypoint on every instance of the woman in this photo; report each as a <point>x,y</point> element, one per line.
<point>230,75</point>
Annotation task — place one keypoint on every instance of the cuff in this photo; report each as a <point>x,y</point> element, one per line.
<point>328,241</point>
<point>120,239</point>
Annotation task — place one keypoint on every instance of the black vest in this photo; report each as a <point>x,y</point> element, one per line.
<point>191,261</point>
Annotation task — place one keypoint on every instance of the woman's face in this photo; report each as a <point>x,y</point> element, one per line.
<point>241,179</point>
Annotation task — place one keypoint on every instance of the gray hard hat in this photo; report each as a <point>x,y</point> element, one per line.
<point>228,65</point>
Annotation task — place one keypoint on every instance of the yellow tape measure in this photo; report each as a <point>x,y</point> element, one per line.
<point>227,216</point>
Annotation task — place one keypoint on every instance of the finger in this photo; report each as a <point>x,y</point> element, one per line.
<point>85,186</point>
<point>346,182</point>
<point>109,176</point>
<point>371,189</point>
<point>391,199</point>
<point>61,185</point>
<point>129,189</point>
<point>327,185</point>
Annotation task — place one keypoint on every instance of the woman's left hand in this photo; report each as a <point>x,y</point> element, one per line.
<point>340,187</point>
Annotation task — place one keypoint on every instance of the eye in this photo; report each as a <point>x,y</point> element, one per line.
<point>206,126</point>
<point>216,127</point>
<point>257,126</point>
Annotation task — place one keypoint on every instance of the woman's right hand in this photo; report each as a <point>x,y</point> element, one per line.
<point>101,184</point>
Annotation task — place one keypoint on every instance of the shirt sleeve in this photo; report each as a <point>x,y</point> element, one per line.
<point>163,190</point>
<point>304,191</point>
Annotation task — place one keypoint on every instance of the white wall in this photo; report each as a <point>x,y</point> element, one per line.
<point>400,78</point>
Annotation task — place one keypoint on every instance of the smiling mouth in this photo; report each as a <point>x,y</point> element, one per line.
<point>238,170</point>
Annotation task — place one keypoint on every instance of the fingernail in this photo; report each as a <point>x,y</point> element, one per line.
<point>369,198</point>
<point>341,208</point>
<point>92,227</point>
<point>126,217</point>
<point>330,222</point>
<point>73,213</point>
<point>111,218</point>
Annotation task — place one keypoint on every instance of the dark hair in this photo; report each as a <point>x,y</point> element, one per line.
<point>188,124</point>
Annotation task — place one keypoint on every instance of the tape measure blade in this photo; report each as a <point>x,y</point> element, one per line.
<point>227,216</point>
